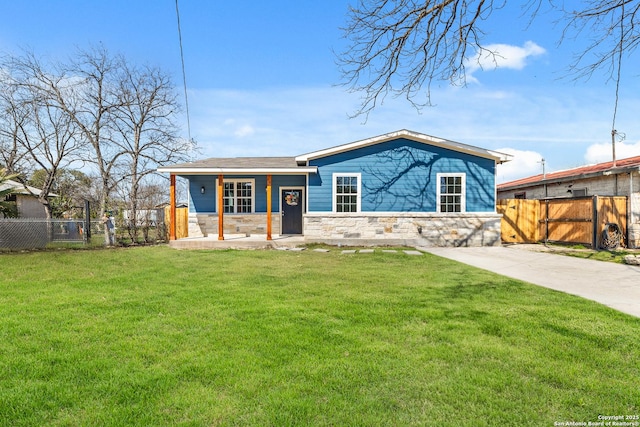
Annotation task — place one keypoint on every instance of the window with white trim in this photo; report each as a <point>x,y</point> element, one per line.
<point>346,192</point>
<point>238,195</point>
<point>451,192</point>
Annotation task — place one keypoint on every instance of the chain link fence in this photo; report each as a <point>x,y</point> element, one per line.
<point>40,233</point>
<point>24,233</point>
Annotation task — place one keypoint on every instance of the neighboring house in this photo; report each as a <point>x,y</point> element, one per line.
<point>602,179</point>
<point>401,187</point>
<point>26,198</point>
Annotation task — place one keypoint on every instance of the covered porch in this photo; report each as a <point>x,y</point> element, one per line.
<point>240,199</point>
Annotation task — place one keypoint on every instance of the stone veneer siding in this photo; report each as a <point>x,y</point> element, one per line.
<point>421,229</point>
<point>414,229</point>
<point>207,224</point>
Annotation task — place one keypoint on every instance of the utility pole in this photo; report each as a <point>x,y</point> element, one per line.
<point>544,173</point>
<point>544,176</point>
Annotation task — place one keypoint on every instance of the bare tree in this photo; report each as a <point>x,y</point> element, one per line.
<point>611,29</point>
<point>92,107</point>
<point>51,139</point>
<point>40,133</point>
<point>117,118</point>
<point>402,47</point>
<point>145,130</point>
<point>82,92</point>
<point>13,117</point>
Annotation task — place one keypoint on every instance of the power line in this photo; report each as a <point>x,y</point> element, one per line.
<point>184,75</point>
<point>618,77</point>
<point>619,72</point>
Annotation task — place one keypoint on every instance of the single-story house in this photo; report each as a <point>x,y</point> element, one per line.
<point>621,178</point>
<point>403,187</point>
<point>26,199</point>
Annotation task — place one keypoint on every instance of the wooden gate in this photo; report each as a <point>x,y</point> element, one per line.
<point>519,220</point>
<point>567,220</point>
<point>579,220</point>
<point>182,221</point>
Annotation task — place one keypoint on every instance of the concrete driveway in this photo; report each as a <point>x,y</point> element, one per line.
<point>614,285</point>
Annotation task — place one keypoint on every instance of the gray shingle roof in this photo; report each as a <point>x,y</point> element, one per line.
<point>241,163</point>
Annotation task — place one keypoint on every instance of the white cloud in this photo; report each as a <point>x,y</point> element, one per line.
<point>245,130</point>
<point>599,153</point>
<point>524,163</point>
<point>502,56</point>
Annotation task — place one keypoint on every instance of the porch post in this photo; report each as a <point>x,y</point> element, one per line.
<point>172,208</point>
<point>220,207</point>
<point>268,207</point>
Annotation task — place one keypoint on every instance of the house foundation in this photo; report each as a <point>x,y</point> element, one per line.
<point>367,229</point>
<point>412,229</point>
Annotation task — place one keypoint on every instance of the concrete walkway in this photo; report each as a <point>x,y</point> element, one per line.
<point>614,285</point>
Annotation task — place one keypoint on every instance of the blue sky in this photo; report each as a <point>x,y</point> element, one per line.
<point>262,79</point>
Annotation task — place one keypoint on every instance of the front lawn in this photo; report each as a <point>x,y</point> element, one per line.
<point>153,336</point>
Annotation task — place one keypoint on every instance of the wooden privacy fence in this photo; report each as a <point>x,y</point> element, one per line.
<point>579,220</point>
<point>182,221</point>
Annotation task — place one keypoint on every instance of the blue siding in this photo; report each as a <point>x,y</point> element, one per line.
<point>202,202</point>
<point>207,202</point>
<point>400,176</point>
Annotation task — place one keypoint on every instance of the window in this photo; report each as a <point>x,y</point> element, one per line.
<point>346,192</point>
<point>579,192</point>
<point>522,195</point>
<point>451,192</point>
<point>238,196</point>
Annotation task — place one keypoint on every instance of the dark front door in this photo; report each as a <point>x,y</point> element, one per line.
<point>291,211</point>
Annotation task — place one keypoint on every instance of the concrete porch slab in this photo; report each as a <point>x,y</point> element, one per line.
<point>238,241</point>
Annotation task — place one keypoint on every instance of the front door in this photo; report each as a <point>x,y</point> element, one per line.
<point>291,210</point>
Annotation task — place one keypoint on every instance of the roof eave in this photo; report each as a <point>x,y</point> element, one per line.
<point>247,171</point>
<point>414,136</point>
<point>614,171</point>
<point>24,190</point>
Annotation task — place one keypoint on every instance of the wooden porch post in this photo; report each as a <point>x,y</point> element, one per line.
<point>268,207</point>
<point>220,207</point>
<point>172,208</point>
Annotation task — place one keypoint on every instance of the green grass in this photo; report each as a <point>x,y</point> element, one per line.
<point>153,336</point>
<point>616,256</point>
<point>580,251</point>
